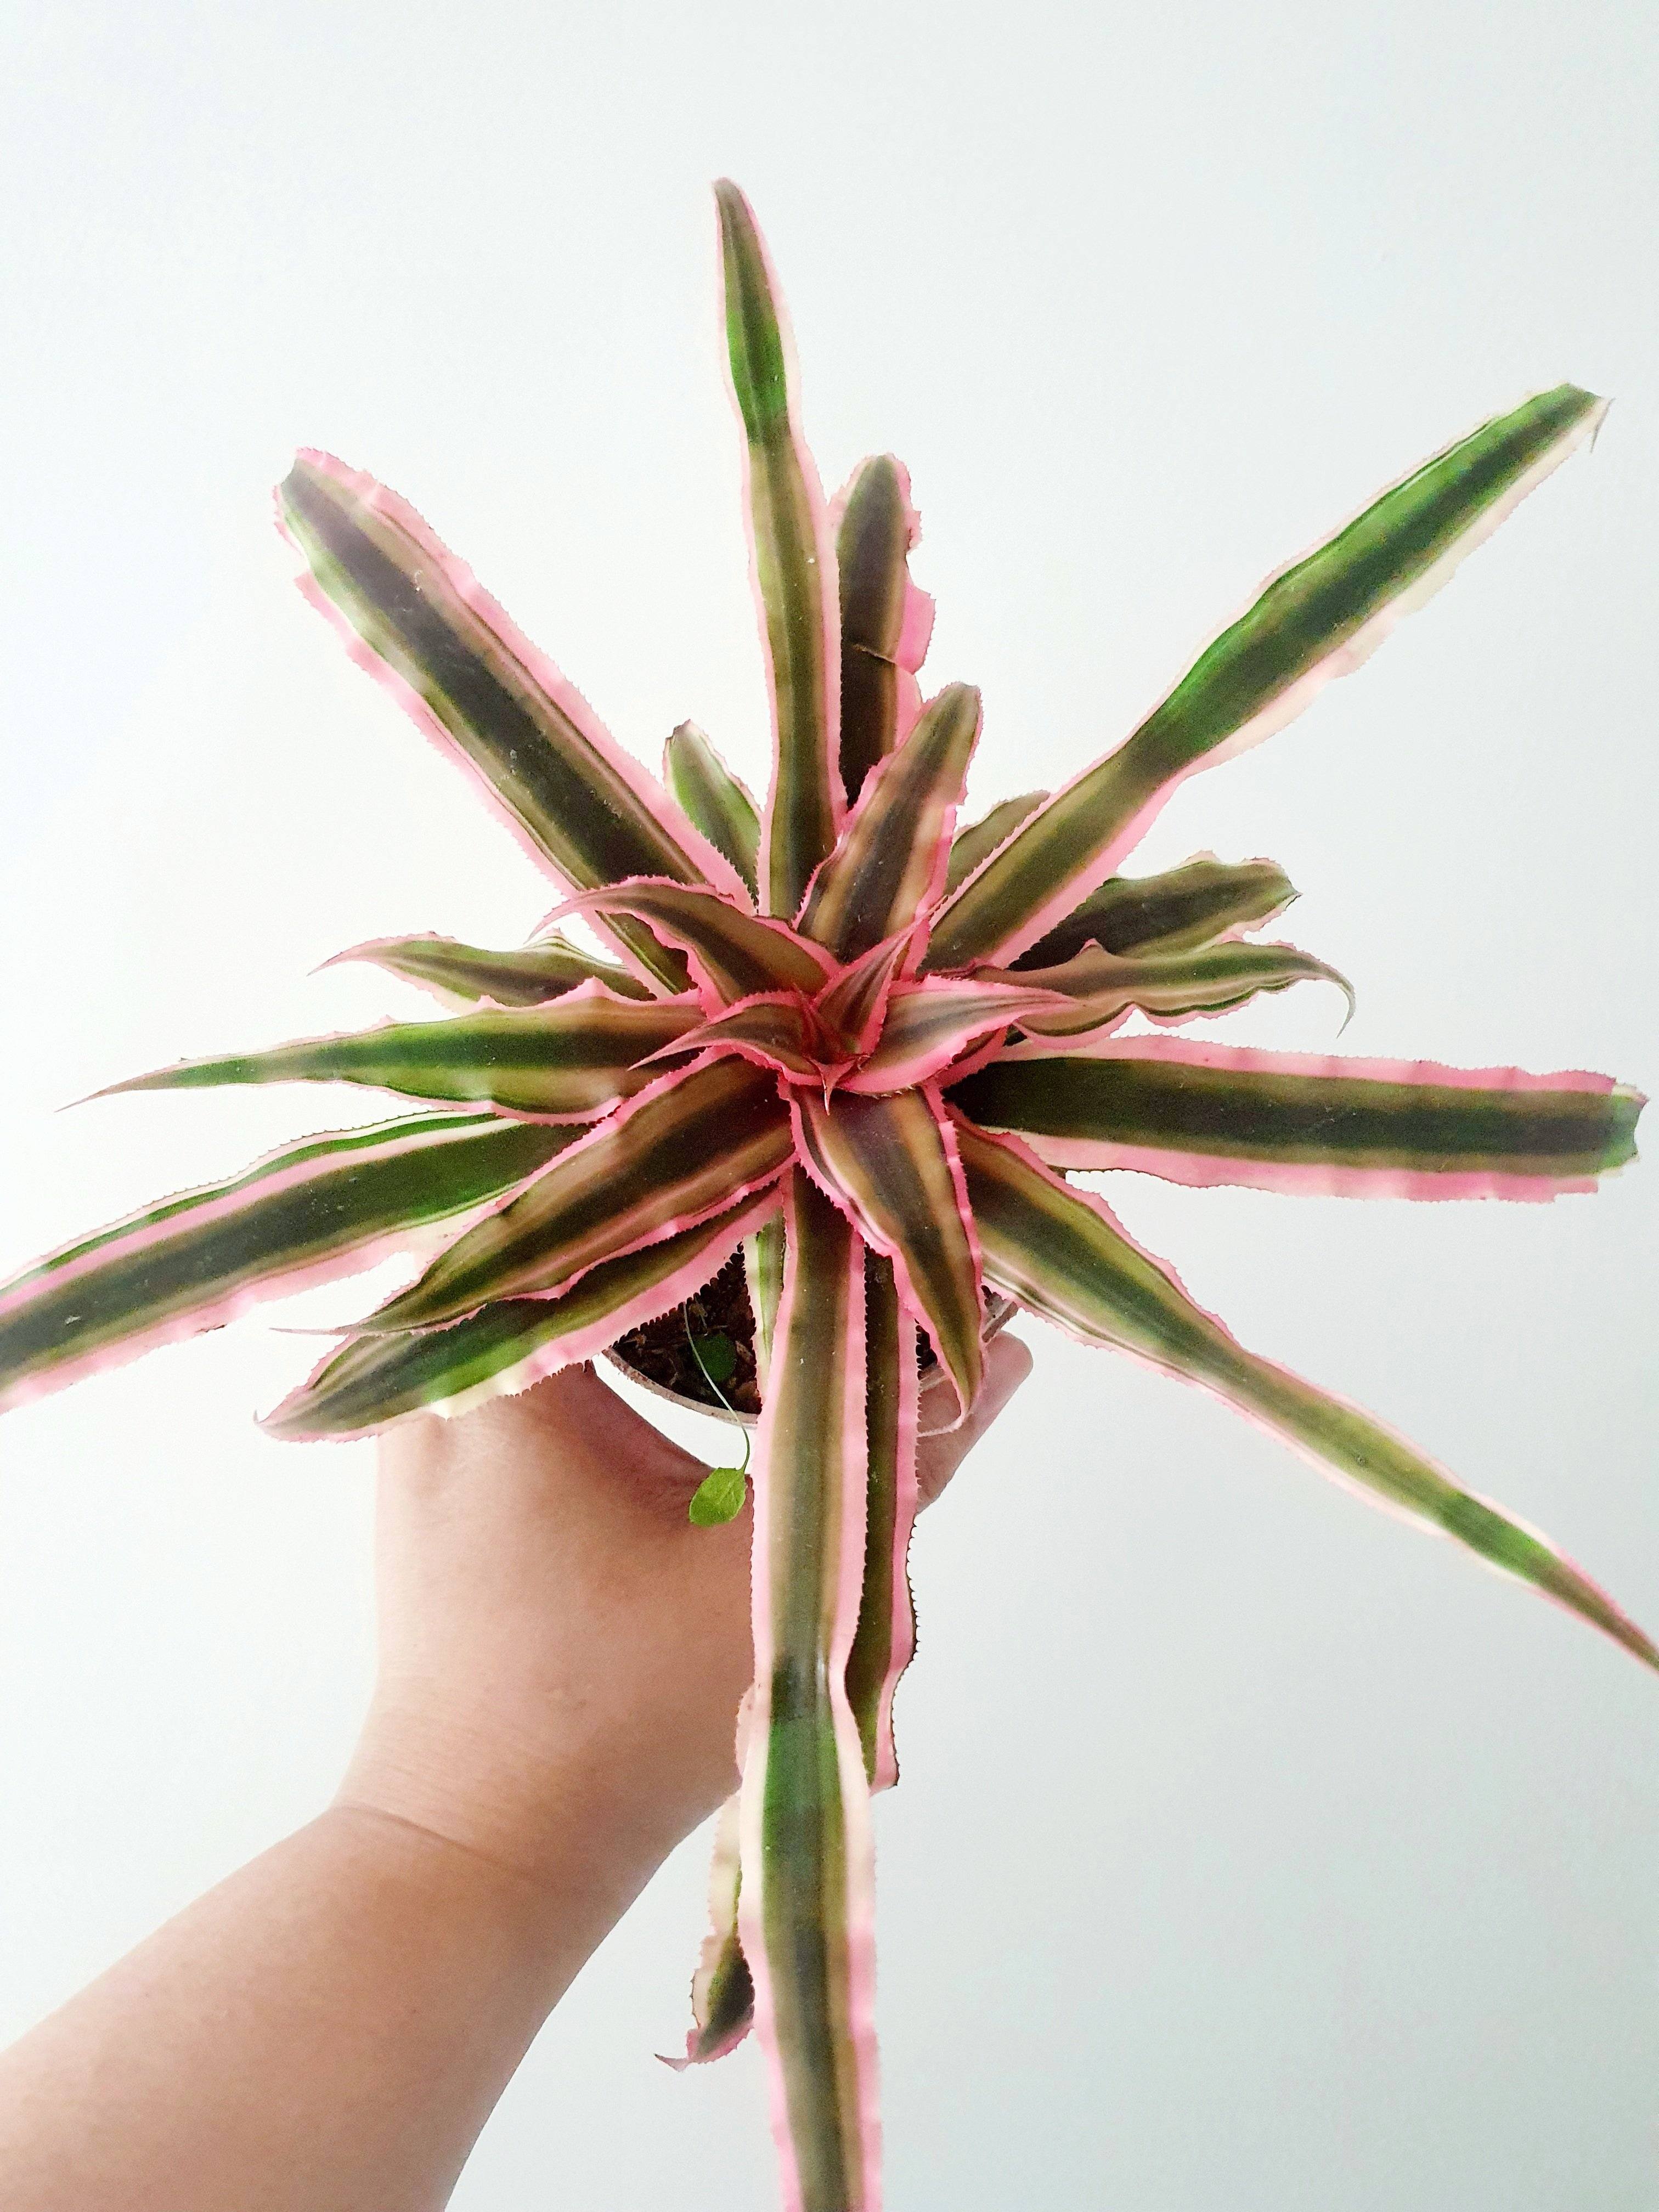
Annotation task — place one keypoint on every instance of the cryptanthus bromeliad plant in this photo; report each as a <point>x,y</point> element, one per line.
<point>864,1048</point>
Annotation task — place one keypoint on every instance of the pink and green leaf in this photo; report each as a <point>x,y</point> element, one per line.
<point>305,1215</point>
<point>689,1147</point>
<point>886,1638</point>
<point>805,1911</point>
<point>733,953</point>
<point>972,847</point>
<point>1200,903</point>
<point>775,1029</point>
<point>1300,1122</point>
<point>1316,619</point>
<point>416,618</point>
<point>511,1343</point>
<point>932,1022</point>
<point>462,974</point>
<point>854,1008</point>
<point>1103,988</point>
<point>1062,1253</point>
<point>891,1163</point>
<point>885,620</point>
<point>762,1271</point>
<point>722,1989</point>
<point>566,1061</point>
<point>718,803</point>
<point>795,557</point>
<point>890,865</point>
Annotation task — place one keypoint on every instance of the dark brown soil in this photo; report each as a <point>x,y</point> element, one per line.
<point>718,1317</point>
<point>661,1349</point>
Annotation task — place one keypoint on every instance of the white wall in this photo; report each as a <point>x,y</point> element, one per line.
<point>1253,1851</point>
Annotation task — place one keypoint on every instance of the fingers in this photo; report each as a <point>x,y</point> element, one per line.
<point>1007,1363</point>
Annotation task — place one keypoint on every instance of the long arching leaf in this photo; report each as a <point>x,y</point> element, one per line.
<point>566,1061</point>
<point>1061,1253</point>
<point>885,622</point>
<point>886,1638</point>
<point>416,618</point>
<point>893,1164</point>
<point>1184,909</point>
<point>805,1912</point>
<point>1316,619</point>
<point>889,864</point>
<point>1101,988</point>
<point>302,1216</point>
<point>794,558</point>
<point>733,954</point>
<point>506,1346</point>
<point>1292,1122</point>
<point>461,974</point>
<point>721,804</point>
<point>689,1147</point>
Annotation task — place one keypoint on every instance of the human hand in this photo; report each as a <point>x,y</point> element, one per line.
<point>561,1653</point>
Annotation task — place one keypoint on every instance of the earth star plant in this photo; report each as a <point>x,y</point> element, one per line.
<point>865,1049</point>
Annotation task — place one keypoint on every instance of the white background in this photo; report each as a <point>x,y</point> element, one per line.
<point>1253,1851</point>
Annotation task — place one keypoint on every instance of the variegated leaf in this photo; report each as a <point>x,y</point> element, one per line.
<point>1318,619</point>
<point>1165,987</point>
<point>892,1163</point>
<point>733,954</point>
<point>886,1637</point>
<point>461,974</point>
<point>1199,903</point>
<point>890,865</point>
<point>1209,1114</point>
<point>933,1022</point>
<point>885,620</point>
<point>775,1029</point>
<point>722,1989</point>
<point>508,1345</point>
<point>854,1008</point>
<point>794,559</point>
<point>806,1912</point>
<point>417,619</point>
<point>974,845</point>
<point>566,1061</point>
<point>721,804</point>
<point>689,1147</point>
<point>763,1269</point>
<point>1061,1253</point>
<point>313,1210</point>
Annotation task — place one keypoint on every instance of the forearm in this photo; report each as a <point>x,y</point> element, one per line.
<point>327,2031</point>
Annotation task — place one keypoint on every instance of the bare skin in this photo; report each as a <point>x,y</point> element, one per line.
<point>562,1657</point>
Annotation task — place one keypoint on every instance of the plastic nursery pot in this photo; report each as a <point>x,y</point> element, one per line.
<point>662,1358</point>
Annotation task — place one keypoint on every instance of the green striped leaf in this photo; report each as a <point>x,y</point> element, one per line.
<point>508,1345</point>
<point>1060,1253</point>
<point>884,619</point>
<point>970,847</point>
<point>794,573</point>
<point>569,1061</point>
<point>890,863</point>
<point>891,1163</point>
<point>886,1638</point>
<point>1168,986</point>
<point>461,974</point>
<point>722,1989</point>
<point>763,1269</point>
<point>690,1146</point>
<point>806,1907</point>
<point>733,954</point>
<point>717,802</point>
<point>1179,911</point>
<point>313,1210</point>
<point>1316,619</point>
<point>1205,1114</point>
<point>416,617</point>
